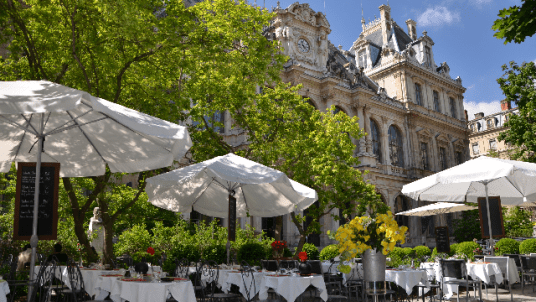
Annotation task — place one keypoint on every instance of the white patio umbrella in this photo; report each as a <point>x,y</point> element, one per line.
<point>209,186</point>
<point>437,209</point>
<point>512,180</point>
<point>41,121</point>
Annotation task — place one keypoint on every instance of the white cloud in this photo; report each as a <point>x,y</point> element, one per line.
<point>482,1</point>
<point>471,87</point>
<point>438,16</point>
<point>487,108</point>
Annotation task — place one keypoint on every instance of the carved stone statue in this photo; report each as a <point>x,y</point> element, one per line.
<point>96,227</point>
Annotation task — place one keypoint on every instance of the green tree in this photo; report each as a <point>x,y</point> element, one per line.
<point>467,227</point>
<point>517,84</point>
<point>517,222</point>
<point>516,22</point>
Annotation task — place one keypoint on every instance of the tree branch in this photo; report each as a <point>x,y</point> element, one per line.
<point>73,52</point>
<point>141,189</point>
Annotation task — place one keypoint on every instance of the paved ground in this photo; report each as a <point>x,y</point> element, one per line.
<point>504,295</point>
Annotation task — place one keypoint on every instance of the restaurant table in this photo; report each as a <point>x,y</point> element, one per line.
<point>407,278</point>
<point>141,291</point>
<point>103,285</point>
<point>236,279</point>
<point>291,287</point>
<point>88,275</point>
<point>4,290</point>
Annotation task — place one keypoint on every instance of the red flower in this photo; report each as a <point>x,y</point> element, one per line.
<point>302,256</point>
<point>150,250</point>
<point>279,245</point>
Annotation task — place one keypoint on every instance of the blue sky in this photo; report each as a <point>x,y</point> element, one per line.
<point>461,30</point>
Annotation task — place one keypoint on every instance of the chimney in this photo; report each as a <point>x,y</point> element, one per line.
<point>479,115</point>
<point>506,105</point>
<point>385,17</point>
<point>412,29</point>
<point>466,115</point>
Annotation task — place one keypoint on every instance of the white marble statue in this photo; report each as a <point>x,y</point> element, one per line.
<point>95,226</point>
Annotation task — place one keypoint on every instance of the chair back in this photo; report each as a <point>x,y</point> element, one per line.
<point>316,266</point>
<point>208,275</point>
<point>269,265</point>
<point>41,289</point>
<point>502,262</point>
<point>76,281</point>
<point>515,257</point>
<point>453,268</point>
<point>331,274</point>
<point>288,264</point>
<point>527,263</point>
<point>248,278</point>
<point>181,269</point>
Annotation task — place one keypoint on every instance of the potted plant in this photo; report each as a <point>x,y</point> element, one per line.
<point>304,267</point>
<point>277,248</point>
<point>374,236</point>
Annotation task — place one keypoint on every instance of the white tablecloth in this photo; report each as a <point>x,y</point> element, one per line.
<point>88,275</point>
<point>133,291</point>
<point>103,286</point>
<point>236,279</point>
<point>483,271</point>
<point>291,287</point>
<point>407,279</point>
<point>4,290</point>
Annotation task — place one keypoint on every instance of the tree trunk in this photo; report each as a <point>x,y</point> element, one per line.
<point>278,227</point>
<point>302,232</point>
<point>108,252</point>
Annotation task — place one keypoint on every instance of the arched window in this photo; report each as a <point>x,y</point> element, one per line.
<point>436,101</point>
<point>337,110</point>
<point>453,108</point>
<point>311,103</point>
<point>396,153</point>
<point>418,94</point>
<point>376,143</point>
<point>401,205</point>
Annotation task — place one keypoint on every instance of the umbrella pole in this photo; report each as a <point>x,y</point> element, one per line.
<point>491,245</point>
<point>34,239</point>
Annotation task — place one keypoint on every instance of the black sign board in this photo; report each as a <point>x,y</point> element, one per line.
<point>47,226</point>
<point>442,239</point>
<point>232,219</point>
<point>495,212</point>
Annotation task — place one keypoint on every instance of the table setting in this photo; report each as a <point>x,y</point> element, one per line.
<point>291,286</point>
<point>138,289</point>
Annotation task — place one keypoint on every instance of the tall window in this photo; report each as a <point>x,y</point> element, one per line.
<point>428,55</point>
<point>418,94</point>
<point>337,110</point>
<point>436,101</point>
<point>424,156</point>
<point>363,58</point>
<point>396,153</point>
<point>453,108</point>
<point>376,143</point>
<point>475,149</point>
<point>459,158</point>
<point>493,144</point>
<point>442,158</point>
<point>401,205</point>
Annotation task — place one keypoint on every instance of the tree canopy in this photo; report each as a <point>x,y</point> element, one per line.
<point>516,22</point>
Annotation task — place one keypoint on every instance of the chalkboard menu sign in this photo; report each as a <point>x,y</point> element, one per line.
<point>232,219</point>
<point>47,225</point>
<point>442,239</point>
<point>495,212</point>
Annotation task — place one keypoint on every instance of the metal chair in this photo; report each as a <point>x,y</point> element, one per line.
<point>77,291</point>
<point>528,270</point>
<point>504,266</point>
<point>456,270</point>
<point>181,268</point>
<point>209,275</point>
<point>248,279</point>
<point>269,265</point>
<point>316,266</point>
<point>288,264</point>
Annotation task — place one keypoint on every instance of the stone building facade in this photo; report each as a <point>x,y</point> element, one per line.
<point>410,107</point>
<point>484,130</point>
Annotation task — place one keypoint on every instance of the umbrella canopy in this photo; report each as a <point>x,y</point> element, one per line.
<point>205,188</point>
<point>436,209</point>
<point>512,180</point>
<point>81,132</point>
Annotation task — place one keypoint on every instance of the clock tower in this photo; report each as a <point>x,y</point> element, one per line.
<point>303,33</point>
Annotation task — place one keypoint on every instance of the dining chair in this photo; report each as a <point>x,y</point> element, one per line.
<point>269,265</point>
<point>248,280</point>
<point>77,291</point>
<point>355,284</point>
<point>504,266</point>
<point>528,270</point>
<point>456,271</point>
<point>316,266</point>
<point>516,259</point>
<point>209,275</point>
<point>335,292</point>
<point>181,268</point>
<point>288,264</point>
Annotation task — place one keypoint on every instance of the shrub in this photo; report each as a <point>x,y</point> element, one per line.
<point>422,251</point>
<point>399,255</point>
<point>329,252</point>
<point>527,246</point>
<point>467,227</point>
<point>311,250</point>
<point>507,246</point>
<point>517,222</point>
<point>466,248</point>
<point>252,253</point>
<point>215,252</point>
<point>453,250</point>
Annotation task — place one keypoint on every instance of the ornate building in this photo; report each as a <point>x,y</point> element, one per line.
<point>410,108</point>
<point>484,131</point>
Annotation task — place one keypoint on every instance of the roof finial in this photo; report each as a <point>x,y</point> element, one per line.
<point>278,5</point>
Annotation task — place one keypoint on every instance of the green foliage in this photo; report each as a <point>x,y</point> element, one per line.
<point>329,252</point>
<point>311,250</point>
<point>422,251</point>
<point>527,246</point>
<point>466,248</point>
<point>252,253</point>
<point>516,22</point>
<point>453,250</point>
<point>507,246</point>
<point>400,256</point>
<point>467,227</point>
<point>517,222</point>
<point>517,84</point>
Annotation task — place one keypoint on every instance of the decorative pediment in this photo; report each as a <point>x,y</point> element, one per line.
<point>304,13</point>
<point>424,135</point>
<point>442,140</point>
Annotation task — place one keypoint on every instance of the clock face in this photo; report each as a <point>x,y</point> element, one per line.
<point>303,45</point>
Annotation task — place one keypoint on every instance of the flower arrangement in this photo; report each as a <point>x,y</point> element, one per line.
<point>477,251</point>
<point>278,247</point>
<point>302,256</point>
<point>379,232</point>
<point>150,251</point>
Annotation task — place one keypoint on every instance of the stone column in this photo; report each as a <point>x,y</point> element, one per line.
<point>366,122</point>
<point>434,152</point>
<point>362,122</point>
<point>385,144</point>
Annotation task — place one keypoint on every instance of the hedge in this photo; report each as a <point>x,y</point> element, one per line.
<point>329,252</point>
<point>527,246</point>
<point>507,246</point>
